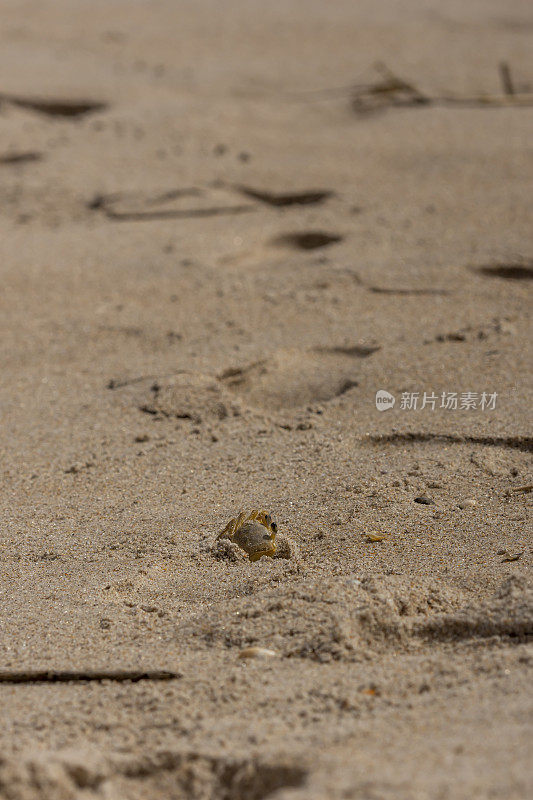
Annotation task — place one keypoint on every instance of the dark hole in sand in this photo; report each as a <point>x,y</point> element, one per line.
<point>308,240</point>
<point>55,108</point>
<point>510,272</point>
<point>292,199</point>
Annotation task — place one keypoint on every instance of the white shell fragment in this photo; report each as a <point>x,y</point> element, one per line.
<point>257,652</point>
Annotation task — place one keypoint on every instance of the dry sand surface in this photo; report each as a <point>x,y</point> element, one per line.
<point>225,225</point>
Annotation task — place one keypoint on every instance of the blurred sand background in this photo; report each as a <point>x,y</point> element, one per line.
<point>221,234</point>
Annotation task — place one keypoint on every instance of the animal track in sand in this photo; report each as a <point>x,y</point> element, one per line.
<point>181,203</point>
<point>280,200</point>
<point>291,378</point>
<point>356,350</point>
<point>273,251</point>
<point>307,240</point>
<point>470,333</point>
<point>386,290</point>
<point>288,379</point>
<point>510,272</point>
<point>191,396</point>
<point>391,91</point>
<point>524,443</point>
<point>54,107</point>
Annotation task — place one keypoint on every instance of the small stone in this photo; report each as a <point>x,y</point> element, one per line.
<point>424,500</point>
<point>375,537</point>
<point>257,652</point>
<point>304,426</point>
<point>510,557</point>
<point>468,502</point>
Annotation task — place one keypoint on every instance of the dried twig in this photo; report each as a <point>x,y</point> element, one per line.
<point>71,676</point>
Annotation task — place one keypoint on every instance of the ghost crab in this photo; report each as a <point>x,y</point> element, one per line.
<point>254,533</point>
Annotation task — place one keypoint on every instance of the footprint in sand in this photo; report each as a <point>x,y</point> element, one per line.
<point>191,396</point>
<point>273,251</point>
<point>288,379</point>
<point>292,378</point>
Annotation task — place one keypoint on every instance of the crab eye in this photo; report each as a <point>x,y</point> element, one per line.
<point>266,537</point>
<point>274,527</point>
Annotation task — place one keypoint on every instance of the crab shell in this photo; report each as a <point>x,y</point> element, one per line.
<point>255,539</point>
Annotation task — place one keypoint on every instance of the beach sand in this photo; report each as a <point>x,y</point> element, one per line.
<point>225,226</point>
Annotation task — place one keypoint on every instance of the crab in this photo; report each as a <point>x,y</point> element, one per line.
<point>254,533</point>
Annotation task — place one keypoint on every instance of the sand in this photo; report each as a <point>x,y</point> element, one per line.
<point>220,238</point>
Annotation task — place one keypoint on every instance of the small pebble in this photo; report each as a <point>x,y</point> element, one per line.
<point>257,652</point>
<point>469,502</point>
<point>509,558</point>
<point>425,501</point>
